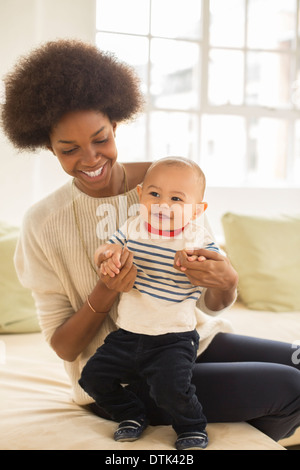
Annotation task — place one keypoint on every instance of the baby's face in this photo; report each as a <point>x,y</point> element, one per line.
<point>170,197</point>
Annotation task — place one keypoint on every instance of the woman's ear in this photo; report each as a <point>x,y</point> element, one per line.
<point>50,149</point>
<point>114,126</point>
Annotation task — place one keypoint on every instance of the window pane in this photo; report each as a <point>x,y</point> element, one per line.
<point>173,134</point>
<point>223,143</point>
<point>296,169</point>
<point>269,144</point>
<point>269,79</point>
<point>227,23</point>
<point>271,24</point>
<point>131,49</point>
<point>130,16</point>
<point>175,74</point>
<point>176,19</point>
<point>131,141</point>
<point>226,77</point>
<point>296,86</point>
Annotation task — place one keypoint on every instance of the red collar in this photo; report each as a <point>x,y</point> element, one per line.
<point>165,233</point>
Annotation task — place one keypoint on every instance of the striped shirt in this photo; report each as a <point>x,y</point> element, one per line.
<point>162,299</point>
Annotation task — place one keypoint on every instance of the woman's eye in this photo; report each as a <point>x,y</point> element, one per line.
<point>97,142</point>
<point>68,152</point>
<point>101,141</point>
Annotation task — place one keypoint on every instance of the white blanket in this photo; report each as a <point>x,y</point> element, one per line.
<point>36,411</point>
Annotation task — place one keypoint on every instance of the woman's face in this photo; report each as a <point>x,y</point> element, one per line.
<point>84,143</point>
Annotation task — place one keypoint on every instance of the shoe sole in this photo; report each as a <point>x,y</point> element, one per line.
<point>192,448</point>
<point>127,439</point>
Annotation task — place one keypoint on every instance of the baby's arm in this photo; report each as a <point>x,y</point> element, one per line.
<point>112,264</point>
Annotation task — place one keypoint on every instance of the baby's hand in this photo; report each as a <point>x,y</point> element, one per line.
<point>112,264</point>
<point>192,257</point>
<point>188,254</point>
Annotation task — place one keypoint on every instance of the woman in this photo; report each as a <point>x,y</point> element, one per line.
<point>69,97</point>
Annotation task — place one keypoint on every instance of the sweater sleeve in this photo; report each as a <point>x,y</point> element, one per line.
<point>36,272</point>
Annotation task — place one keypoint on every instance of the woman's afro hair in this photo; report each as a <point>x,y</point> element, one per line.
<point>63,76</point>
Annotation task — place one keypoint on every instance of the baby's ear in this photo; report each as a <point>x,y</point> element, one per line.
<point>139,189</point>
<point>200,209</point>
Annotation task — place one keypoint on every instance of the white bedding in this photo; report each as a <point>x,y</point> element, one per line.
<point>37,412</point>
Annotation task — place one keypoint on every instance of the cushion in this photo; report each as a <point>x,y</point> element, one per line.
<point>17,310</point>
<point>266,254</point>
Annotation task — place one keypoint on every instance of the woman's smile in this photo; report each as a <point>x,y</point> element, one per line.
<point>94,174</point>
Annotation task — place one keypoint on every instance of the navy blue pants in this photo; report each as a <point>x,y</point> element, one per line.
<point>240,378</point>
<point>164,362</point>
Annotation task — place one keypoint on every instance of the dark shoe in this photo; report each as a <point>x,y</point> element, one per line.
<point>192,441</point>
<point>130,430</point>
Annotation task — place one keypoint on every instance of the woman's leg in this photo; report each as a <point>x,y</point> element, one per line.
<point>266,395</point>
<point>244,379</point>
<point>259,383</point>
<point>228,347</point>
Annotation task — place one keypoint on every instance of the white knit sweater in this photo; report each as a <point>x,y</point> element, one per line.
<point>51,261</point>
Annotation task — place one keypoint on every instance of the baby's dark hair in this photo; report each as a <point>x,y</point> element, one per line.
<point>63,76</point>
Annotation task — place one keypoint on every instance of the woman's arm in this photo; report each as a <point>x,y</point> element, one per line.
<point>214,272</point>
<point>75,334</point>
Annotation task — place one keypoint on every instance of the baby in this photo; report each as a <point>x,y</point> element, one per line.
<point>157,338</point>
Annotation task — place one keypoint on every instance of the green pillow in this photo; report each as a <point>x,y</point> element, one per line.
<point>17,310</point>
<point>266,254</point>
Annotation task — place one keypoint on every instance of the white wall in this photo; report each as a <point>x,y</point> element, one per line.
<point>24,24</point>
<point>250,201</point>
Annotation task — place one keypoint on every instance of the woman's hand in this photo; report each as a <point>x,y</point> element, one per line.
<point>211,270</point>
<point>206,268</point>
<point>124,280</point>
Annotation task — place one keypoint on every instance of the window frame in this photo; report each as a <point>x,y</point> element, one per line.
<point>204,108</point>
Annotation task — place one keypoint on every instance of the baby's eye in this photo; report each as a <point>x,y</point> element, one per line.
<point>154,194</point>
<point>176,198</point>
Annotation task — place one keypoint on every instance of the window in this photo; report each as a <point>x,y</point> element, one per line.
<point>222,83</point>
